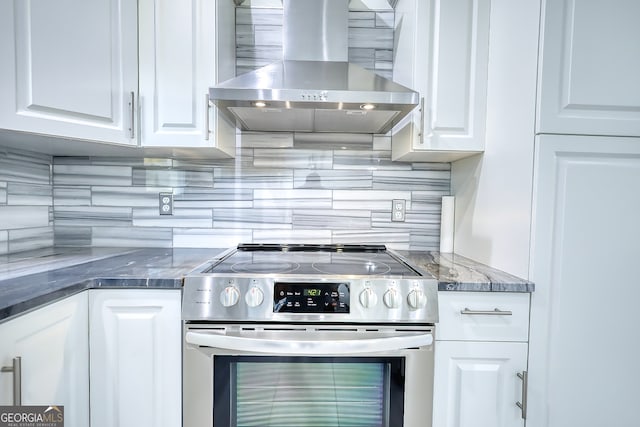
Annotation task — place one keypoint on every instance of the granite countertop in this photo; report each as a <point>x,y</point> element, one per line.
<point>31,279</point>
<point>34,278</point>
<point>457,273</point>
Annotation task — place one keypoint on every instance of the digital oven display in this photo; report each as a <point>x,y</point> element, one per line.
<point>300,297</point>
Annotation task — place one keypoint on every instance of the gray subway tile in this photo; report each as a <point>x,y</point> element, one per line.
<point>187,218</point>
<point>29,194</point>
<point>210,238</point>
<point>87,216</point>
<point>292,158</point>
<point>71,196</point>
<point>173,177</point>
<point>31,238</point>
<point>131,237</point>
<point>17,217</point>
<point>91,175</point>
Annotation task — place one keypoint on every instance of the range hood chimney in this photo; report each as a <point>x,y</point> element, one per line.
<point>314,89</point>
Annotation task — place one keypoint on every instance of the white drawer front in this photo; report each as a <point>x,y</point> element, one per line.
<point>483,316</point>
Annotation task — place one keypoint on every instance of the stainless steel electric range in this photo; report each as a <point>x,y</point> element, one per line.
<point>308,336</point>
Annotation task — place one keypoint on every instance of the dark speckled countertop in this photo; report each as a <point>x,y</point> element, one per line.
<point>31,279</point>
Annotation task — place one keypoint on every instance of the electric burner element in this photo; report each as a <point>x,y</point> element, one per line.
<point>366,268</point>
<point>265,267</point>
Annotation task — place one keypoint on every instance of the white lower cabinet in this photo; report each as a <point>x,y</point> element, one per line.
<point>477,385</point>
<point>52,344</point>
<point>135,339</point>
<point>481,359</point>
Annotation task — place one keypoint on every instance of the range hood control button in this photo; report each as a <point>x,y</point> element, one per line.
<point>254,297</point>
<point>391,298</point>
<point>417,299</point>
<point>368,298</point>
<point>229,296</point>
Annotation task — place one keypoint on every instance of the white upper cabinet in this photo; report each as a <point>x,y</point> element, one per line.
<point>590,68</point>
<point>442,51</point>
<point>69,68</point>
<point>180,43</point>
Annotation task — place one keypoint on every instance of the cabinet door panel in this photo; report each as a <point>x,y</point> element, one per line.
<point>476,384</point>
<point>135,358</point>
<point>180,43</point>
<point>456,97</point>
<point>53,343</point>
<point>443,52</point>
<point>70,67</point>
<point>590,67</point>
<point>583,347</point>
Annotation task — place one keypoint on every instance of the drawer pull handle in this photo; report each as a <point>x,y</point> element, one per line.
<point>16,369</point>
<point>494,312</point>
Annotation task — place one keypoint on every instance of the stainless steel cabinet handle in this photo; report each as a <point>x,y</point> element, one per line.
<point>523,405</point>
<point>16,368</point>
<point>494,312</point>
<point>132,114</point>
<point>206,117</point>
<point>422,132</point>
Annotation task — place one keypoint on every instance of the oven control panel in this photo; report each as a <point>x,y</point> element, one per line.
<point>297,297</point>
<point>309,299</point>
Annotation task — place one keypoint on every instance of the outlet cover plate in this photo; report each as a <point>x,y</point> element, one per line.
<point>166,203</point>
<point>398,209</point>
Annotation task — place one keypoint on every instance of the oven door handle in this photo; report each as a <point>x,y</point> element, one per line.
<point>275,346</point>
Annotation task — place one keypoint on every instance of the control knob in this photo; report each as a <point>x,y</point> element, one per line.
<point>417,299</point>
<point>229,296</point>
<point>254,297</point>
<point>368,298</point>
<point>391,298</point>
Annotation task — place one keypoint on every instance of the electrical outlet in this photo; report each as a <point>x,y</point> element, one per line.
<point>398,208</point>
<point>166,203</point>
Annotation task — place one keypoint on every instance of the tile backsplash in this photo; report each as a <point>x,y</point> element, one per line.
<point>271,192</point>
<point>26,201</point>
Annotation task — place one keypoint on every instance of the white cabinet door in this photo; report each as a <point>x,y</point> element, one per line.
<point>590,65</point>
<point>442,52</point>
<point>180,43</point>
<point>53,343</point>
<point>477,385</point>
<point>584,346</point>
<point>135,339</point>
<point>69,68</point>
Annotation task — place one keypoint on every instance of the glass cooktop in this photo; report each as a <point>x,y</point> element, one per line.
<point>334,260</point>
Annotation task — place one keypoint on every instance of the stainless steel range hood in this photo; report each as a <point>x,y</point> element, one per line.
<point>314,89</point>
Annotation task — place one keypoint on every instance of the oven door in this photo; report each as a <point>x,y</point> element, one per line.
<point>307,376</point>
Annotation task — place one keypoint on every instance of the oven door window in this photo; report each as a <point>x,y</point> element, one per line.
<point>265,391</point>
